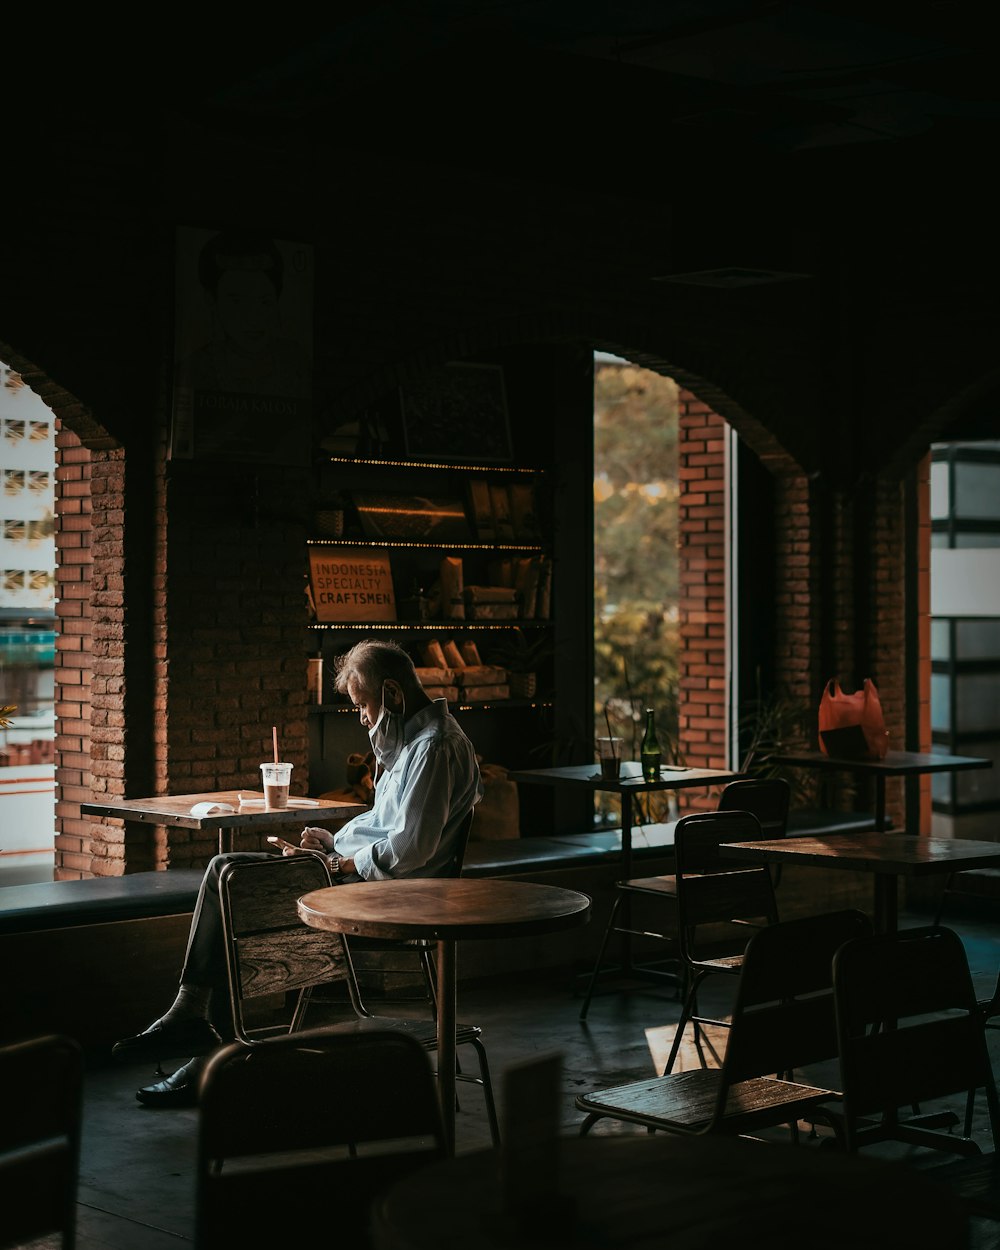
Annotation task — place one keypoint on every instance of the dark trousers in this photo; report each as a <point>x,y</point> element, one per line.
<point>205,960</point>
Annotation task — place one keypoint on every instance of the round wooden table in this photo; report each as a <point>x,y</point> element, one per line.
<point>645,1192</point>
<point>444,910</point>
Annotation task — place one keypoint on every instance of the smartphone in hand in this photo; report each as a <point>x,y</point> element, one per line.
<point>282,845</point>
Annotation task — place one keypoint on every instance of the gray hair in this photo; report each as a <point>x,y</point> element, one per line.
<point>369,663</point>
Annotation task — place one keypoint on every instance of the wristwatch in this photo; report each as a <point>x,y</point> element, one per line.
<point>335,862</point>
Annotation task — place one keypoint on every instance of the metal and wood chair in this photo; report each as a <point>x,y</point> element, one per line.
<point>300,1133</point>
<point>782,1021</point>
<point>716,902</point>
<point>768,800</point>
<point>270,952</point>
<point>910,1031</point>
<point>41,1119</point>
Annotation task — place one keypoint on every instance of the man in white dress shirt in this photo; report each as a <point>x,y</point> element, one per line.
<point>426,783</point>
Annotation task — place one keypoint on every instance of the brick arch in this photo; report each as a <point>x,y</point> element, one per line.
<point>627,340</point>
<point>705,410</point>
<point>978,402</point>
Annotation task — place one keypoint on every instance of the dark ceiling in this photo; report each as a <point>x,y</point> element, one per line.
<point>853,142</point>
<point>782,78</point>
<point>772,79</point>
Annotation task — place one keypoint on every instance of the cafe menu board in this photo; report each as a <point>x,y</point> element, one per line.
<point>351,584</point>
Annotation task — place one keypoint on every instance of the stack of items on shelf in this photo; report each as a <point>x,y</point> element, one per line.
<point>529,578</point>
<point>519,589</point>
<point>459,675</point>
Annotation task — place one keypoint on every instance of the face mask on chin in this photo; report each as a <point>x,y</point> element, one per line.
<point>386,735</point>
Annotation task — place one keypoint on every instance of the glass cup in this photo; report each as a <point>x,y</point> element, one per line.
<point>609,752</point>
<point>276,780</point>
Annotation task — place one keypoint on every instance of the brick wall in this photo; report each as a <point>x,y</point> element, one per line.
<point>702,577</point>
<point>74,636</point>
<point>234,642</point>
<point>840,606</point>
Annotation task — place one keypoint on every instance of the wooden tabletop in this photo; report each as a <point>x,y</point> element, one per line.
<point>631,779</point>
<point>895,764</point>
<point>444,908</point>
<point>176,810</point>
<point>645,1192</point>
<point>898,854</point>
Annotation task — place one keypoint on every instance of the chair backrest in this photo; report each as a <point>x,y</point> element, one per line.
<point>41,1116</point>
<point>301,1132</point>
<point>717,897</point>
<point>784,1016</point>
<point>908,1025</point>
<point>462,844</point>
<point>767,798</point>
<point>269,950</point>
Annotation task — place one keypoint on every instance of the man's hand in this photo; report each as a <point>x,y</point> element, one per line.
<point>314,839</point>
<point>289,848</point>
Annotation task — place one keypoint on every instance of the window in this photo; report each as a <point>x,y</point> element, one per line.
<point>636,628</point>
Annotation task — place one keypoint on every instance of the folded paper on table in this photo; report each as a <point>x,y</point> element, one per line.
<point>213,809</point>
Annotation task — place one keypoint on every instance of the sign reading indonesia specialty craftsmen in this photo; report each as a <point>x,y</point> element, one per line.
<point>351,584</point>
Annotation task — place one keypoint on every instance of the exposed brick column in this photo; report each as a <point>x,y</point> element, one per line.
<point>795,555</point>
<point>236,637</point>
<point>702,575</point>
<point>73,658</point>
<point>108,676</point>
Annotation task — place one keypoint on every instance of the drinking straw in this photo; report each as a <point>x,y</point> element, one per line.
<point>611,737</point>
<point>274,736</point>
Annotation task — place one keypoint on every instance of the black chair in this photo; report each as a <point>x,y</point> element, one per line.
<point>271,953</point>
<point>41,1119</point>
<point>300,1133</point>
<point>765,798</point>
<point>783,1021</point>
<point>982,883</point>
<point>768,798</point>
<point>910,1031</point>
<point>716,900</point>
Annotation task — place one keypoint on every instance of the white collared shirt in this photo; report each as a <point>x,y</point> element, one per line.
<point>420,802</point>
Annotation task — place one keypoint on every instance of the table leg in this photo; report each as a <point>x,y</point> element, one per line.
<point>447,1014</point>
<point>225,841</point>
<point>626,908</point>
<point>879,802</point>
<point>886,903</point>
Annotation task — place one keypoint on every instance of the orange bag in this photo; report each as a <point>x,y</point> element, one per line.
<point>851,726</point>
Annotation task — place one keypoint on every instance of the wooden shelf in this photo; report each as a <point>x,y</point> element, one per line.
<point>421,546</point>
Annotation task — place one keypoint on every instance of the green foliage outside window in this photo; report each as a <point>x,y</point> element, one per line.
<point>636,626</point>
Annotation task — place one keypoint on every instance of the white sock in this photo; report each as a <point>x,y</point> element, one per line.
<point>192,1002</point>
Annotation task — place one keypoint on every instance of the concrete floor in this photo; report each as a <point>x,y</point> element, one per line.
<point>136,1179</point>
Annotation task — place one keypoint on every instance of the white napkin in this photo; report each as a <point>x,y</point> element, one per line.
<point>212,809</point>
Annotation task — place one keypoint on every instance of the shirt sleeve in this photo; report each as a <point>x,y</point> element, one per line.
<point>416,813</point>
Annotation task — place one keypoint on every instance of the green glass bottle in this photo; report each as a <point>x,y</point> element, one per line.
<point>649,753</point>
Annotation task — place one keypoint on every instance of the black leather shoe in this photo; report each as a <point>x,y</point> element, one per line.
<point>180,1089</point>
<point>161,1041</point>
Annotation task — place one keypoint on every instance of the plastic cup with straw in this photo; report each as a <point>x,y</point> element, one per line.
<point>277,778</point>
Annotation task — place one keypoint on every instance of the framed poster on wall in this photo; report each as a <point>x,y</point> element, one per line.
<point>457,412</point>
<point>243,329</point>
